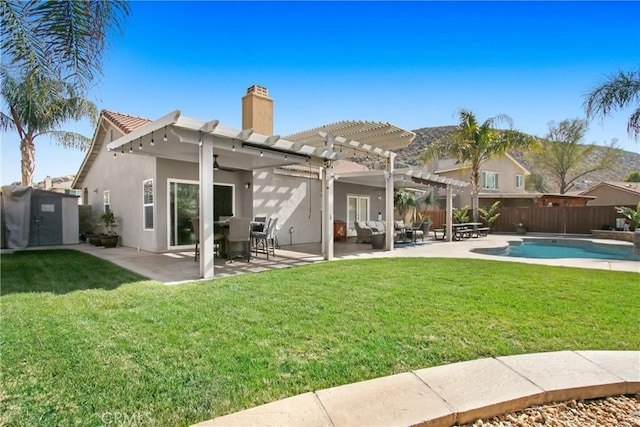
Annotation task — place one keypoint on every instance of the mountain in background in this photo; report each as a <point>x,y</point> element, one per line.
<point>424,136</point>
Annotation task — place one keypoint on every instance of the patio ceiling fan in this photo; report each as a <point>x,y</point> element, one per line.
<point>217,166</point>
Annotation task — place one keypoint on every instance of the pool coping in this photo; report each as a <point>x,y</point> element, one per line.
<point>454,394</point>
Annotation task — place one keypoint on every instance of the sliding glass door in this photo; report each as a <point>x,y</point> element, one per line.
<point>183,204</point>
<point>184,199</point>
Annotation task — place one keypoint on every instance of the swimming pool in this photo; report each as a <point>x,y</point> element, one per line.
<point>562,248</point>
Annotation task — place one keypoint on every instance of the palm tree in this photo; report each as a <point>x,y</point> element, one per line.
<point>620,91</point>
<point>404,200</point>
<point>473,143</point>
<point>39,106</point>
<point>52,52</point>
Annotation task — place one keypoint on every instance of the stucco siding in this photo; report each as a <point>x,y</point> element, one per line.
<point>295,200</point>
<point>611,196</point>
<point>503,166</point>
<point>343,189</point>
<point>122,177</point>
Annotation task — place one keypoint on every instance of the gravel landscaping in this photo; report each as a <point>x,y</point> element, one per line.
<point>622,411</point>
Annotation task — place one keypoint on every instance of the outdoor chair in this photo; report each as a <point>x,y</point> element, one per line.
<point>259,223</point>
<point>195,223</point>
<point>238,241</point>
<point>265,241</point>
<point>363,233</point>
<point>399,231</point>
<point>218,238</point>
<point>377,226</point>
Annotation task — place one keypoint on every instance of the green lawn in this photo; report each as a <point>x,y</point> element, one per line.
<point>84,342</point>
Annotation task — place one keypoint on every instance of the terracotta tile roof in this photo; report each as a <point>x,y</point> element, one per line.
<point>125,122</point>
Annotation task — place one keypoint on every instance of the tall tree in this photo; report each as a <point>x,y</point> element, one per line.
<point>619,91</point>
<point>52,53</point>
<point>473,143</point>
<point>563,156</point>
<point>633,176</point>
<point>39,107</point>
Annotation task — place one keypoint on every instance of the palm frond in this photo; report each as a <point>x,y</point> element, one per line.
<point>21,47</point>
<point>6,123</point>
<point>70,140</point>
<point>76,34</point>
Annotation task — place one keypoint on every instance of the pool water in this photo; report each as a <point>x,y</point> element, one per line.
<point>560,248</point>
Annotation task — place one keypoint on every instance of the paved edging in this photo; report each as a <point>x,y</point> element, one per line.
<point>454,394</point>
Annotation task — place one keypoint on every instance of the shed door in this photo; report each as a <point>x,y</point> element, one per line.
<point>46,221</point>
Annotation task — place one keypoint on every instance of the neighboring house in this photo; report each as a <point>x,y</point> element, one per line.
<point>614,193</point>
<point>60,185</point>
<point>501,178</point>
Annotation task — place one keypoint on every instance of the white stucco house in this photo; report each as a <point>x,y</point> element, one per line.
<point>156,174</point>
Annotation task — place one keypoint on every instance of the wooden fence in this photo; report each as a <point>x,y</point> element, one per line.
<point>572,220</point>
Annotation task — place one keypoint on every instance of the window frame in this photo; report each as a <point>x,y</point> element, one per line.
<point>519,181</point>
<point>146,205</point>
<point>106,201</point>
<point>495,180</point>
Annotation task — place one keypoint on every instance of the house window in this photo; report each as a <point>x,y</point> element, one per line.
<point>490,180</point>
<point>106,200</point>
<point>147,204</point>
<point>519,181</point>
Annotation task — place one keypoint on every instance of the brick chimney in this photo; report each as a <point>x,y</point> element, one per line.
<point>257,110</point>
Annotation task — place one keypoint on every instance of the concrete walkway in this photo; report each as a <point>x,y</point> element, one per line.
<point>454,394</point>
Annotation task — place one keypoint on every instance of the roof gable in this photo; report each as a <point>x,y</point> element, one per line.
<point>631,187</point>
<point>125,123</point>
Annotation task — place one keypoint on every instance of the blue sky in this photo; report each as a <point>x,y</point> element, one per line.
<point>414,64</point>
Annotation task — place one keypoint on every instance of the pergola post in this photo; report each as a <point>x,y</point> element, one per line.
<point>327,204</point>
<point>449,217</point>
<point>388,197</point>
<point>206,209</point>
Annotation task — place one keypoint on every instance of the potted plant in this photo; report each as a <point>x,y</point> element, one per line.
<point>461,215</point>
<point>110,239</point>
<point>490,215</point>
<point>520,228</point>
<point>633,216</point>
<point>424,222</point>
<point>405,201</point>
<point>94,237</point>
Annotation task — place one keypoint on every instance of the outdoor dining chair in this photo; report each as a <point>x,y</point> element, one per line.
<point>238,241</point>
<point>265,241</point>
